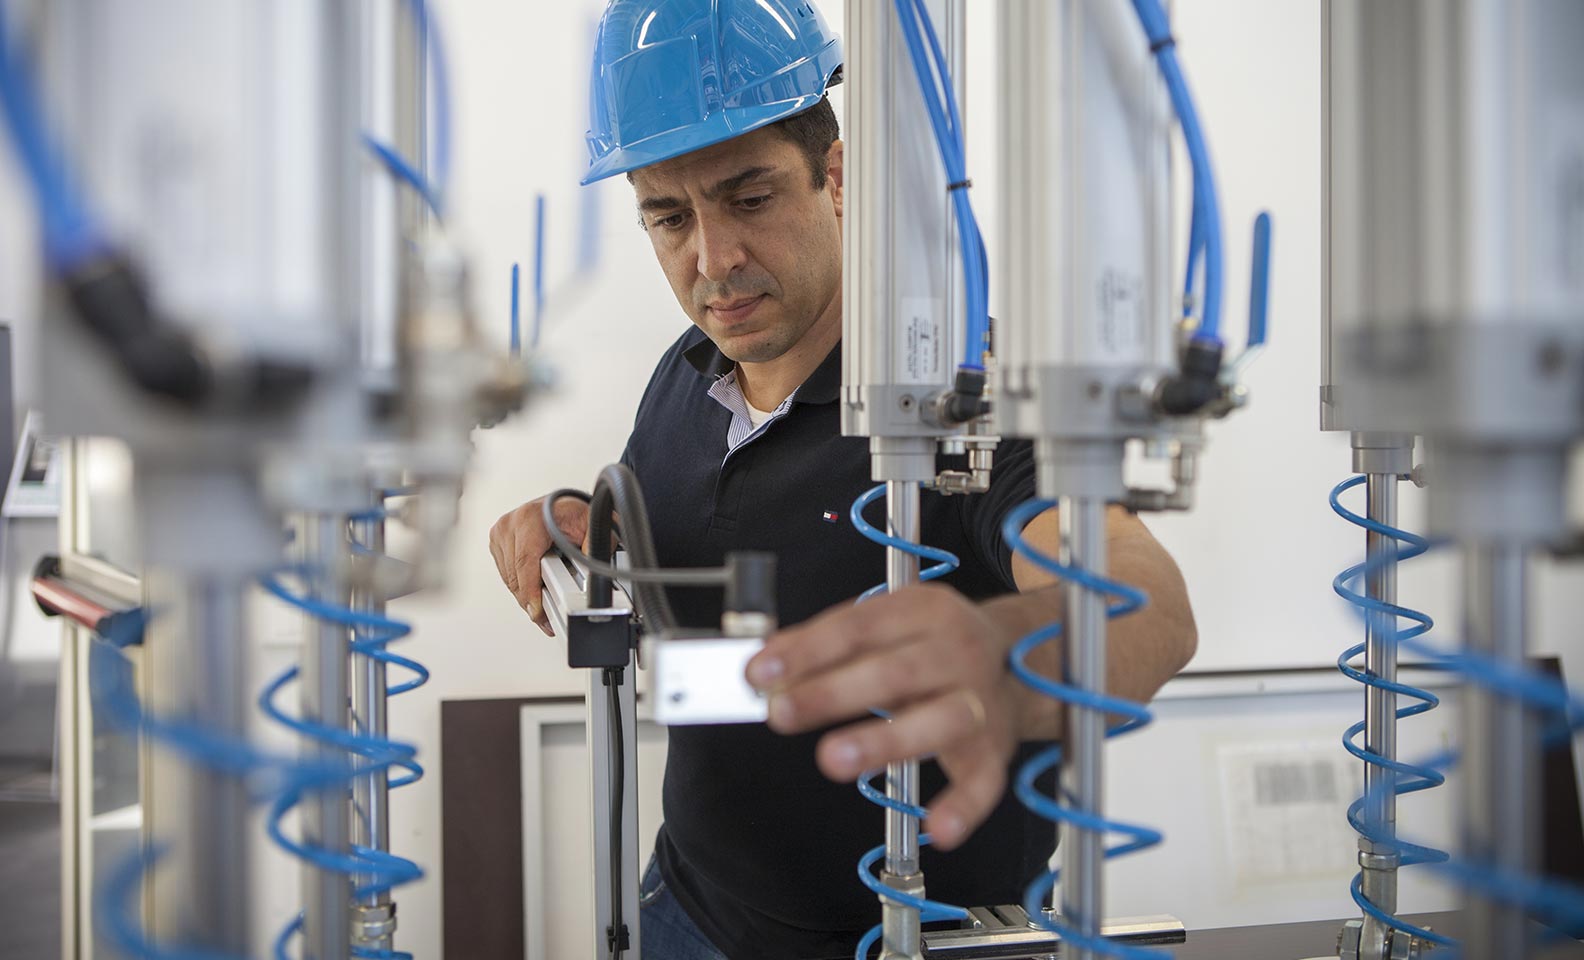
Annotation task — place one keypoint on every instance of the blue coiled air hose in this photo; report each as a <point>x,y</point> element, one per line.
<point>380,871</point>
<point>1556,903</point>
<point>1126,600</point>
<point>945,562</point>
<point>116,903</point>
<point>1406,777</point>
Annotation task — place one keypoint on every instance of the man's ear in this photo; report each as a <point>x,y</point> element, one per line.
<point>833,172</point>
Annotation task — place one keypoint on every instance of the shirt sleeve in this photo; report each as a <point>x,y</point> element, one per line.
<point>1011,484</point>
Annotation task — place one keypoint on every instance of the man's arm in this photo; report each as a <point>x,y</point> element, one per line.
<point>937,663</point>
<point>1143,650</point>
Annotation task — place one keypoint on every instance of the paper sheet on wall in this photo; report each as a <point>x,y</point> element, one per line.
<point>1285,804</point>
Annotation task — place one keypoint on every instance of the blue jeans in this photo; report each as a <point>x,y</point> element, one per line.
<point>664,928</point>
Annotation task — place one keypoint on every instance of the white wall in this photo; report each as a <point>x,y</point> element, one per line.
<point>1259,552</point>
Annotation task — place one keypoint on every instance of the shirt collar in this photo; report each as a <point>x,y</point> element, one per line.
<point>822,386</point>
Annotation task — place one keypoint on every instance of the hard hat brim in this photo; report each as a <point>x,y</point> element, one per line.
<point>719,128</point>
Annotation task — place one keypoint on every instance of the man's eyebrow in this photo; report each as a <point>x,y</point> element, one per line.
<point>651,204</point>
<point>733,182</point>
<point>736,180</point>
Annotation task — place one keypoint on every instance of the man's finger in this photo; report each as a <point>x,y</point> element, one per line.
<point>888,678</point>
<point>507,574</point>
<point>933,726</point>
<point>526,552</point>
<point>978,779</point>
<point>836,635</point>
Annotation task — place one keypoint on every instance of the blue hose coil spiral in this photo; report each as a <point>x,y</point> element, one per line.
<point>945,562</point>
<point>1556,903</point>
<point>286,778</point>
<point>1406,777</point>
<point>380,871</point>
<point>1127,600</point>
<point>116,903</point>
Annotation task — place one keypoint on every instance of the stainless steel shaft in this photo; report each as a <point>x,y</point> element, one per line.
<point>900,925</point>
<point>1500,819</point>
<point>1083,538</point>
<point>1379,863</point>
<point>371,793</point>
<point>327,894</point>
<point>199,814</point>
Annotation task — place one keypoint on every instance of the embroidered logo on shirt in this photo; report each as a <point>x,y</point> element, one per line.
<point>830,516</point>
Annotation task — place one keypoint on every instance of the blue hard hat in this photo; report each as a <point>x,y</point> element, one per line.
<point>673,76</point>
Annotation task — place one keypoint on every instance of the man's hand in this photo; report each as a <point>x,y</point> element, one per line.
<point>519,539</point>
<point>931,658</point>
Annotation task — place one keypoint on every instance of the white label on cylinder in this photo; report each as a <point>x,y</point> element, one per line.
<point>921,342</point>
<point>1119,313</point>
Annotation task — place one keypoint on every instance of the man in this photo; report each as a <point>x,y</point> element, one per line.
<point>720,123</point>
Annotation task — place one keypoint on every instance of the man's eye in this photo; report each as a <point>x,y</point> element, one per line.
<point>753,203</point>
<point>672,222</point>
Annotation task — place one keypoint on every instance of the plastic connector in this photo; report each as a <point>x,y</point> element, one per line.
<point>108,295</point>
<point>1197,385</point>
<point>110,299</point>
<point>967,400</point>
<point>752,584</point>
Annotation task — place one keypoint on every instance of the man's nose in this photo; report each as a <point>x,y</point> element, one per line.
<point>720,250</point>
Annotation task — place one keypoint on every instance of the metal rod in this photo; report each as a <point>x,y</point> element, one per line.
<point>1379,865</point>
<point>371,794</point>
<point>197,660</point>
<point>901,924</point>
<point>1500,767</point>
<point>1083,538</point>
<point>327,896</point>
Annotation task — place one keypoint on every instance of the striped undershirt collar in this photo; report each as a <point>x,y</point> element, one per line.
<point>728,393</point>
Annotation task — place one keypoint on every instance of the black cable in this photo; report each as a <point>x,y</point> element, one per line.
<point>616,934</point>
<point>616,493</point>
<point>682,577</point>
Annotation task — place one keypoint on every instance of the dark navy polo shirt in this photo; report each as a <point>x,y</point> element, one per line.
<point>758,846</point>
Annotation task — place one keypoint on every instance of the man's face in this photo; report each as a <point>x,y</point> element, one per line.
<point>752,249</point>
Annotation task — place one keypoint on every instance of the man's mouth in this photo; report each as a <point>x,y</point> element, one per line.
<point>736,311</point>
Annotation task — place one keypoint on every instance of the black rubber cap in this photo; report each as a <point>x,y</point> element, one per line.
<point>1196,385</point>
<point>966,401</point>
<point>110,299</point>
<point>752,587</point>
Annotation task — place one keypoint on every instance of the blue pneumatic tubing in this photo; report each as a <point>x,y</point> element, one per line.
<point>115,905</point>
<point>539,269</point>
<point>945,560</point>
<point>516,310</point>
<point>1126,600</point>
<point>1259,281</point>
<point>440,75</point>
<point>1206,202</point>
<point>431,190</point>
<point>1553,901</point>
<point>405,172</point>
<point>382,869</point>
<point>1406,777</point>
<point>71,235</point>
<point>940,103</point>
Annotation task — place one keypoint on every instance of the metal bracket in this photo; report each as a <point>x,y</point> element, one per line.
<point>596,637</point>
<point>1007,933</point>
<point>371,924</point>
<point>1400,945</point>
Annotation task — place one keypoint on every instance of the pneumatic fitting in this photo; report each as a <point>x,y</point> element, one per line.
<point>108,295</point>
<point>1196,385</point>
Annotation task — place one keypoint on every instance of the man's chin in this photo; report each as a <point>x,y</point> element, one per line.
<point>758,346</point>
